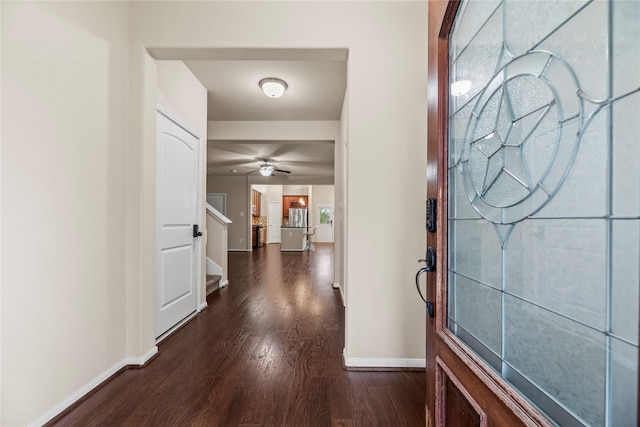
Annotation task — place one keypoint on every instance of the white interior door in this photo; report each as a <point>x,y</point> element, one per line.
<point>325,224</point>
<point>274,219</point>
<point>177,212</point>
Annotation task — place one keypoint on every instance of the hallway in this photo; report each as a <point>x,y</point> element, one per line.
<point>267,351</point>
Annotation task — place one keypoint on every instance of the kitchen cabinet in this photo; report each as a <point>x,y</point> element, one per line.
<point>256,199</point>
<point>293,202</point>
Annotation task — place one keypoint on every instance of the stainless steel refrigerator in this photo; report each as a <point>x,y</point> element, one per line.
<point>298,217</point>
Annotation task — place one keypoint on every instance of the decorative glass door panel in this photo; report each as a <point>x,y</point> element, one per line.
<point>544,200</point>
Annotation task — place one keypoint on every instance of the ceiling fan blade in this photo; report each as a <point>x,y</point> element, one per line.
<point>328,162</point>
<point>280,170</point>
<point>279,150</point>
<point>252,172</point>
<point>231,147</point>
<point>227,163</point>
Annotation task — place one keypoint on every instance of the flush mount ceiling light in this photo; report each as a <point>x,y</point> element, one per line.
<point>273,87</point>
<point>266,170</point>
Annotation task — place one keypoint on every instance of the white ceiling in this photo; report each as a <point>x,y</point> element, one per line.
<point>315,89</point>
<point>317,80</point>
<point>302,158</point>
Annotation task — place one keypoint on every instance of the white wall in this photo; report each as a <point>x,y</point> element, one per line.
<point>181,93</point>
<point>264,206</point>
<point>0,218</point>
<point>183,96</point>
<point>386,131</point>
<point>274,193</point>
<point>339,222</point>
<point>141,210</point>
<point>295,190</point>
<point>238,193</point>
<point>64,137</point>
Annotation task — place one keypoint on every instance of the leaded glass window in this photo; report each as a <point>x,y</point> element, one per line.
<point>544,200</point>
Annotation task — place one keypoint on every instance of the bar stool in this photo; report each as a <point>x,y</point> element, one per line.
<point>309,246</point>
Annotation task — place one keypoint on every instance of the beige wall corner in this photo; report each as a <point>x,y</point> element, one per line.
<point>1,137</point>
<point>64,184</point>
<point>238,193</point>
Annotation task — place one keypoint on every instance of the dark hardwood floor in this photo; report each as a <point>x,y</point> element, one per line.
<point>266,352</point>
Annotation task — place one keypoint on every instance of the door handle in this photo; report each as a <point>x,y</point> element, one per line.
<point>430,261</point>
<point>196,232</point>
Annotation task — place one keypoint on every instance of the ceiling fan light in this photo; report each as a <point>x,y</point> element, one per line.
<point>266,170</point>
<point>273,87</point>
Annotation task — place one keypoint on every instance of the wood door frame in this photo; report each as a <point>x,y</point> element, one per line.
<point>459,358</point>
<point>201,217</point>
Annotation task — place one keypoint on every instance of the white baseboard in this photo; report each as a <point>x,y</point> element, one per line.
<point>338,287</point>
<point>139,361</point>
<point>202,306</point>
<point>224,283</point>
<point>367,362</point>
<point>78,394</point>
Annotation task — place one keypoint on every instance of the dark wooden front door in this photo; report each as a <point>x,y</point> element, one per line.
<point>482,380</point>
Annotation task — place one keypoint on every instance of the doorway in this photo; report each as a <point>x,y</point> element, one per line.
<point>240,154</point>
<point>324,234</point>
<point>274,221</point>
<point>178,244</point>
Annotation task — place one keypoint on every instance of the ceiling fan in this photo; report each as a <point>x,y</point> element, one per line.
<point>267,170</point>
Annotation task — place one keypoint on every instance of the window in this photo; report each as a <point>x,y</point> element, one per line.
<point>544,200</point>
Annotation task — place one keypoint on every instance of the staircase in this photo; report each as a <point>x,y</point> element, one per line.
<point>213,283</point>
<point>217,249</point>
